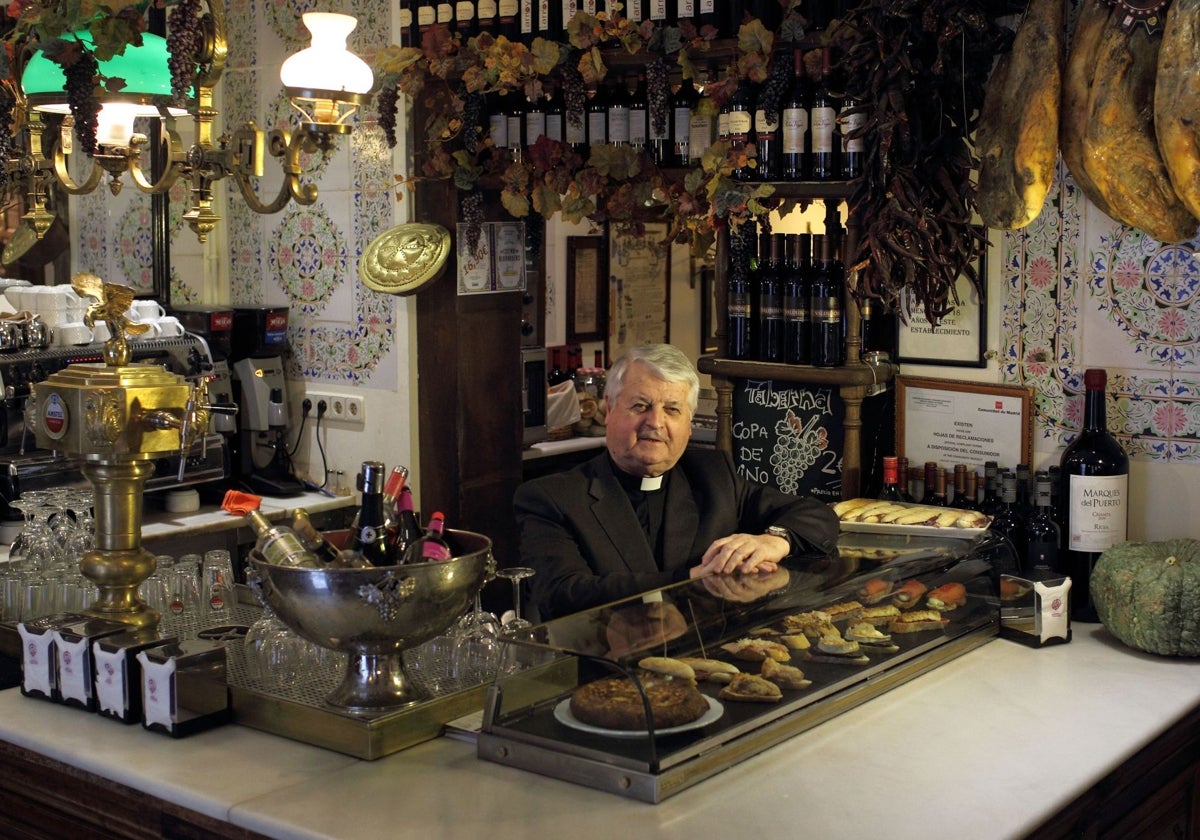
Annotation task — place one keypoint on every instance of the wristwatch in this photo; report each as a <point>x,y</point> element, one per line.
<point>778,531</point>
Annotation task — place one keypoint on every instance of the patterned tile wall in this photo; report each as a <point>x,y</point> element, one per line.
<point>1081,290</point>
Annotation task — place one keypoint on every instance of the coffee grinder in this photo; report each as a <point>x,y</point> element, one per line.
<point>257,344</point>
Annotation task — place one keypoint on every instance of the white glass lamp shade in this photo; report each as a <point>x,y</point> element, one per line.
<point>327,65</point>
<point>114,123</point>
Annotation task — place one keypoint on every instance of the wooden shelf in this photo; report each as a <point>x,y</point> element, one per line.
<point>860,375</point>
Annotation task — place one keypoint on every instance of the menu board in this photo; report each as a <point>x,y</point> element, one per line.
<point>790,437</point>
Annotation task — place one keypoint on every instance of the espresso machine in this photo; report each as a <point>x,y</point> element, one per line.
<point>261,461</point>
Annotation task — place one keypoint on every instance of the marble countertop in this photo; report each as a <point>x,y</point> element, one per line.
<point>161,523</point>
<point>986,746</point>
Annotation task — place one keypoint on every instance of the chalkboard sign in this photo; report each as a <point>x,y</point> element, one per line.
<point>790,437</point>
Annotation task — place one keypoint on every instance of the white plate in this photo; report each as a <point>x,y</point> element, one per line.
<point>562,713</point>
<point>911,530</point>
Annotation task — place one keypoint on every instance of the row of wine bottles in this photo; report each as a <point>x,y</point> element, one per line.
<point>1062,520</point>
<point>804,133</point>
<point>523,20</point>
<point>385,531</point>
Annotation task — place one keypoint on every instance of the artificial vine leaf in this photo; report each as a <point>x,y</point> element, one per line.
<point>546,200</point>
<point>591,67</point>
<point>616,162</point>
<point>546,56</point>
<point>576,208</point>
<point>755,39</point>
<point>393,59</point>
<point>516,204</point>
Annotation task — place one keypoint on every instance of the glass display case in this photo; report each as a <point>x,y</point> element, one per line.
<point>819,638</point>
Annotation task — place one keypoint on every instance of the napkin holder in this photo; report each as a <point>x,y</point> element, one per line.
<point>119,674</point>
<point>184,689</point>
<point>1035,612</point>
<point>39,668</point>
<point>74,662</point>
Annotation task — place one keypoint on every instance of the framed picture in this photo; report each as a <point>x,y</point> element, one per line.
<point>971,423</point>
<point>586,297</point>
<point>639,273</point>
<point>708,307</point>
<point>959,339</point>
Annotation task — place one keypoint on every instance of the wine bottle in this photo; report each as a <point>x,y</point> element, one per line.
<point>568,10</point>
<point>370,539</point>
<point>891,488</point>
<point>1042,533</point>
<point>527,20</point>
<point>683,101</point>
<point>514,116</point>
<point>1008,522</point>
<point>851,121</point>
<point>707,14</point>
<point>902,479</point>
<point>554,112</point>
<point>770,299</point>
<point>796,333</point>
<point>464,18</point>
<point>738,329</point>
<point>874,328</point>
<point>617,101</point>
<point>735,15</point>
<point>312,539</point>
<point>823,161</point>
<point>535,120</point>
<point>427,11</point>
<point>768,12</point>
<point>597,117</point>
<point>793,131</point>
<point>991,503</point>
<point>961,499</point>
<point>278,544</point>
<point>825,305</point>
<point>766,143</point>
<point>658,11</point>
<point>487,18</point>
<point>508,19</point>
<point>685,10</point>
<point>409,32</point>
<point>971,502</point>
<point>407,529</point>
<point>736,125</point>
<point>931,479</point>
<point>1024,500</point>
<point>1094,493</point>
<point>431,546</point>
<point>498,121</point>
<point>639,116</point>
<point>701,124</point>
<point>556,372</point>
<point>445,13</point>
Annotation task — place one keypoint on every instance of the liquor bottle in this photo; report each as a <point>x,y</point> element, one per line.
<point>793,130</point>
<point>683,101</point>
<point>738,322</point>
<point>617,101</point>
<point>535,120</point>
<point>931,480</point>
<point>825,305</point>
<point>278,544</point>
<point>639,117</point>
<point>736,126</point>
<point>991,503</point>
<point>508,19</point>
<point>823,161</point>
<point>796,332</point>
<point>597,117</point>
<point>407,529</point>
<point>1042,533</point>
<point>464,18</point>
<point>851,120</point>
<point>1007,522</point>
<point>770,299</point>
<point>891,488</point>
<point>370,538</point>
<point>431,546</point>
<point>1094,494</point>
<point>487,18</point>
<point>313,540</point>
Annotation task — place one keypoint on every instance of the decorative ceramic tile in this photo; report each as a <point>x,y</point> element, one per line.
<point>1082,290</point>
<point>307,256</point>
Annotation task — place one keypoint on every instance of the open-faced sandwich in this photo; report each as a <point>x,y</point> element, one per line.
<point>751,688</point>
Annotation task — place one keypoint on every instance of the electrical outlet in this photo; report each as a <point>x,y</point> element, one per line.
<point>341,408</point>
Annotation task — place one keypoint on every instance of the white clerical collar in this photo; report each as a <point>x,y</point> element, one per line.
<point>651,483</point>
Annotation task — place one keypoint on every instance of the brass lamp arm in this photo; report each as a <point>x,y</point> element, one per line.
<point>287,147</point>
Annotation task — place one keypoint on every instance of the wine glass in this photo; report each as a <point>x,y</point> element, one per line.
<point>476,645</point>
<point>516,574</point>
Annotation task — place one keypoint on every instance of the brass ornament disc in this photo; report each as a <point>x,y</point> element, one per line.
<point>405,259</point>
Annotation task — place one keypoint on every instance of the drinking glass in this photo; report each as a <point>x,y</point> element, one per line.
<point>184,588</point>
<point>217,584</point>
<point>476,645</point>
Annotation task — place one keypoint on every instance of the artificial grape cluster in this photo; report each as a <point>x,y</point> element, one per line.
<point>6,138</point>
<point>741,240</point>
<point>574,94</point>
<point>81,97</point>
<point>472,116</point>
<point>185,38</point>
<point>471,212</point>
<point>385,106</point>
<point>774,89</point>
<point>658,88</point>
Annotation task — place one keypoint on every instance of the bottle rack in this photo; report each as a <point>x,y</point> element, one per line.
<point>854,380</point>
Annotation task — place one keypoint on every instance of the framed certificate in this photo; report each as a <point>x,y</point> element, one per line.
<point>954,422</point>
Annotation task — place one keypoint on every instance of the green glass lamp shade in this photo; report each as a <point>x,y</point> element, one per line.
<point>144,69</point>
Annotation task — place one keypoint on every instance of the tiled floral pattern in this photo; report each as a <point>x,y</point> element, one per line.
<point>1083,290</point>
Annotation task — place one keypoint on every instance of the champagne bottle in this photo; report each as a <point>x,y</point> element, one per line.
<point>1094,493</point>
<point>770,299</point>
<point>796,333</point>
<point>278,544</point>
<point>793,130</point>
<point>823,162</point>
<point>312,539</point>
<point>370,539</point>
<point>431,546</point>
<point>825,305</point>
<point>1042,534</point>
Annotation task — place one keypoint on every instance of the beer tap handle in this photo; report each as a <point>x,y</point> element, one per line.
<point>196,416</point>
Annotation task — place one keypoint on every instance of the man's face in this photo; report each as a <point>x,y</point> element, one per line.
<point>649,424</point>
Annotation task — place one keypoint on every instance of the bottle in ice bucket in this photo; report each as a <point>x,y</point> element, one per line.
<point>370,538</point>
<point>431,546</point>
<point>278,544</point>
<point>407,529</point>
<point>312,539</point>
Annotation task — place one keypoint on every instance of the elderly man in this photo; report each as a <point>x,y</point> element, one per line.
<point>649,511</point>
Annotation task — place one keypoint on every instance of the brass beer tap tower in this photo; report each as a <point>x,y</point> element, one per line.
<point>116,418</point>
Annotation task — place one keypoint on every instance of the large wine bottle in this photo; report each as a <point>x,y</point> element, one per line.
<point>1094,491</point>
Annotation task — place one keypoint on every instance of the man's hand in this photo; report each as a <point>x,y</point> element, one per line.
<point>744,553</point>
<point>745,588</point>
